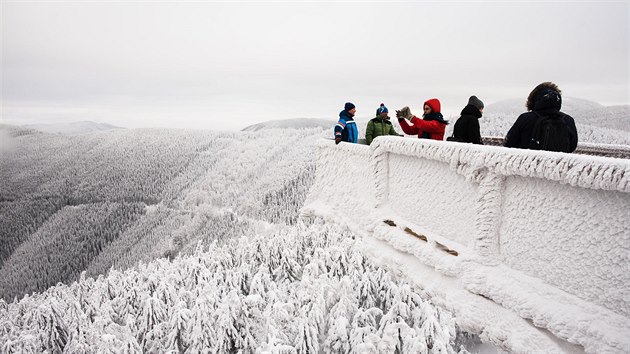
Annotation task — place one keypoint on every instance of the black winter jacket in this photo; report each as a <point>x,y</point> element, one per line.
<point>466,129</point>
<point>520,134</point>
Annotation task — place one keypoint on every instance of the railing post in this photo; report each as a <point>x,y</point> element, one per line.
<point>488,210</point>
<point>380,166</point>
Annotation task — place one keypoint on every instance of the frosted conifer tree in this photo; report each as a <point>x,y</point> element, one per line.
<point>288,269</point>
<point>202,327</point>
<point>153,313</point>
<point>226,334</point>
<point>363,336</point>
<point>307,339</point>
<point>52,322</point>
<point>393,327</point>
<point>340,317</point>
<point>437,329</point>
<point>367,292</point>
<point>179,334</point>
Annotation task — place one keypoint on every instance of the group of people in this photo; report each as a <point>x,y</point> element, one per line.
<point>542,127</point>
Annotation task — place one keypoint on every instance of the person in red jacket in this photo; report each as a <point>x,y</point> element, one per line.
<point>431,126</point>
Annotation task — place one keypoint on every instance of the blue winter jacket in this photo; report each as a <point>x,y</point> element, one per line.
<point>346,128</point>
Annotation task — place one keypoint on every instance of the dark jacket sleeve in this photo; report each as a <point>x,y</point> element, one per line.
<point>573,135</point>
<point>513,137</point>
<point>475,132</point>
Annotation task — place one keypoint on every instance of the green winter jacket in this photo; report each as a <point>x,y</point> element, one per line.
<point>377,127</point>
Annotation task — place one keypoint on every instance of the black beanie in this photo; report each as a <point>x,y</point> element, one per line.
<point>348,106</point>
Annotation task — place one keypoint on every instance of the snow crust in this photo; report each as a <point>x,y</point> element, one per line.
<point>542,235</point>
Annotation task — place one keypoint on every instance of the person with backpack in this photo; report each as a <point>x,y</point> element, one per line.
<point>466,129</point>
<point>379,126</point>
<point>346,128</point>
<point>544,126</point>
<point>431,126</point>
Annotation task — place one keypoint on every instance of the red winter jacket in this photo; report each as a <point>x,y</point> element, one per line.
<point>434,128</point>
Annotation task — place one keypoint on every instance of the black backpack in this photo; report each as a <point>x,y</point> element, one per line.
<point>550,133</point>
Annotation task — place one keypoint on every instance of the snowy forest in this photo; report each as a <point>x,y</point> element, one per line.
<point>164,240</point>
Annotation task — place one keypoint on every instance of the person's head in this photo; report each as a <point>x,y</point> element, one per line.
<point>477,103</point>
<point>349,107</point>
<point>382,111</point>
<point>545,95</point>
<point>432,106</point>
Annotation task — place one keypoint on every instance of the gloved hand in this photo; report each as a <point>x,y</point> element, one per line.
<point>337,140</point>
<point>404,112</point>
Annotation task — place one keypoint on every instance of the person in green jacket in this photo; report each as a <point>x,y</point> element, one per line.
<point>380,125</point>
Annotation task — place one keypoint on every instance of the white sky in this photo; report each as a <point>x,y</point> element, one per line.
<point>226,65</point>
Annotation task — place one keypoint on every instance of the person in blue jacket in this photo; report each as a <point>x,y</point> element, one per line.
<point>346,128</point>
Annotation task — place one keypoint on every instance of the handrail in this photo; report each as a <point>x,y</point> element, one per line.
<point>607,150</point>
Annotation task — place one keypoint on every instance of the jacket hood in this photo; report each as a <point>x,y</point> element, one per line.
<point>547,100</point>
<point>544,96</point>
<point>434,103</point>
<point>471,110</point>
<point>345,115</point>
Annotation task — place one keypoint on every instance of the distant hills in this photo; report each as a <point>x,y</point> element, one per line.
<point>295,123</point>
<point>583,111</point>
<point>73,128</point>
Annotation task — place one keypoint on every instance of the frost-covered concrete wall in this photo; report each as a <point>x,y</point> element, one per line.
<point>559,217</point>
<point>576,238</point>
<point>515,216</point>
<point>424,191</point>
<point>344,179</point>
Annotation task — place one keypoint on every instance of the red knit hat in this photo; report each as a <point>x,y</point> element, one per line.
<point>434,103</point>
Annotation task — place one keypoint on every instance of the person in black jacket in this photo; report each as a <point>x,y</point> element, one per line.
<point>466,129</point>
<point>544,101</point>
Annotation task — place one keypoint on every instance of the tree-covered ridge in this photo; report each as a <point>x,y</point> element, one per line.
<point>301,289</point>
<point>176,186</point>
<point>64,246</point>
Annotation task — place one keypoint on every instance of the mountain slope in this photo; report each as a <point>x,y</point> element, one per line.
<point>295,123</point>
<point>169,188</point>
<point>72,128</point>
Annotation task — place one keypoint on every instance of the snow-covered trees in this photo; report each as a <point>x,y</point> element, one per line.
<point>169,189</point>
<point>243,296</point>
<point>64,245</point>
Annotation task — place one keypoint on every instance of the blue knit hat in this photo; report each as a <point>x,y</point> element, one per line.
<point>348,106</point>
<point>382,109</point>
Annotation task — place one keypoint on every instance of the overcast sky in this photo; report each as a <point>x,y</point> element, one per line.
<point>226,65</point>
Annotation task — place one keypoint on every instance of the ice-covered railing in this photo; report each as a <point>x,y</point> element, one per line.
<point>550,226</point>
<point>607,150</point>
<point>344,180</point>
